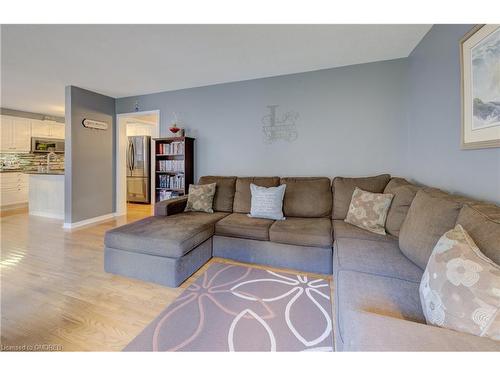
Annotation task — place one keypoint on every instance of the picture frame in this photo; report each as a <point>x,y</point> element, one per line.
<point>480,87</point>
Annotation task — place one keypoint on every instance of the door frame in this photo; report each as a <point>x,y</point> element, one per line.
<point>121,156</point>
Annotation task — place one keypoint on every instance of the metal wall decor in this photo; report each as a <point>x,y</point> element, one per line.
<point>94,124</point>
<point>279,127</point>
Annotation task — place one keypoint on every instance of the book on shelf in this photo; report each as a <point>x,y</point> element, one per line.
<point>167,194</point>
<point>173,148</point>
<point>171,182</point>
<point>171,165</point>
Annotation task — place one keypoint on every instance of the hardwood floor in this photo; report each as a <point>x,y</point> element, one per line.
<point>54,290</point>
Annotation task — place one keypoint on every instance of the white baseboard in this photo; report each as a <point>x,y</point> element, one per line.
<point>90,221</point>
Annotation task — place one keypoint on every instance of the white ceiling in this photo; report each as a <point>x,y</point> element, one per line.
<point>38,61</point>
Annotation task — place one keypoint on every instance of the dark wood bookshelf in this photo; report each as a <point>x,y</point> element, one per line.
<point>185,156</point>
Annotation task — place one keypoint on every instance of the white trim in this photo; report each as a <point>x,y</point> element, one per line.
<point>90,221</point>
<point>121,179</point>
<point>47,214</point>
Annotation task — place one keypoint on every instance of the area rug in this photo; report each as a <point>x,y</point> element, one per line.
<point>238,308</point>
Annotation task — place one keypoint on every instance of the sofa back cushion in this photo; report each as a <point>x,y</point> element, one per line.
<point>307,197</point>
<point>224,192</point>
<point>482,223</point>
<point>429,217</point>
<point>343,187</point>
<point>242,195</point>
<point>403,192</point>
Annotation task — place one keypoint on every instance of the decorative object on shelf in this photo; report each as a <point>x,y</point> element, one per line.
<point>94,124</point>
<point>175,129</point>
<point>279,128</point>
<point>480,70</point>
<point>136,106</point>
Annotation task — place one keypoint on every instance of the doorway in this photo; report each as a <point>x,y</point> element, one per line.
<point>135,184</point>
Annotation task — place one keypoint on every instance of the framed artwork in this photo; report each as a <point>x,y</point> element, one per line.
<point>480,69</point>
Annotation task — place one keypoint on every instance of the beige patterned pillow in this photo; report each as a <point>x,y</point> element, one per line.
<point>460,288</point>
<point>369,210</point>
<point>201,198</point>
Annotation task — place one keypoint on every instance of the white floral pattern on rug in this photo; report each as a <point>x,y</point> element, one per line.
<point>297,287</point>
<point>238,308</point>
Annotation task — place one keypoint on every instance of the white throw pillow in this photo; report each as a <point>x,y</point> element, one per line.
<point>267,203</point>
<point>460,288</point>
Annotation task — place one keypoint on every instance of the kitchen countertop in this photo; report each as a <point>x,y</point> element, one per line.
<point>50,172</point>
<point>53,171</point>
<point>12,170</point>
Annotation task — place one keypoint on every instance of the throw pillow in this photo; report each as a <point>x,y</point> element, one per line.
<point>201,198</point>
<point>369,210</point>
<point>460,288</point>
<point>267,203</point>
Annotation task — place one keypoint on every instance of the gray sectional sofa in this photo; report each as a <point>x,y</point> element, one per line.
<point>376,278</point>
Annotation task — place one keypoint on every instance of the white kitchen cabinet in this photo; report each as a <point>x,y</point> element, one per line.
<point>16,134</point>
<point>47,129</point>
<point>40,129</point>
<point>57,130</point>
<point>14,188</point>
<point>6,129</point>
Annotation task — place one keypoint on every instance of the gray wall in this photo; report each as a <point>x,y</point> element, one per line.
<point>434,154</point>
<point>352,122</point>
<point>90,166</point>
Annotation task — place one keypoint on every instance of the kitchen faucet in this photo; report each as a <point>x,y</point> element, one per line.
<point>48,159</point>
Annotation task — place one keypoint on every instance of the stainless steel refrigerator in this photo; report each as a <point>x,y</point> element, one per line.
<point>139,169</point>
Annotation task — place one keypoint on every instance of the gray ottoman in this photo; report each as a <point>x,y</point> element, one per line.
<point>161,249</point>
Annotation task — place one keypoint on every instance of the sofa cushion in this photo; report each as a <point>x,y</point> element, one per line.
<point>168,236</point>
<point>341,229</point>
<point>201,198</point>
<point>267,202</point>
<point>224,192</point>
<point>403,192</point>
<point>376,257</point>
<point>316,232</point>
<point>307,197</point>
<point>242,195</point>
<point>429,217</point>
<point>482,223</point>
<point>357,291</point>
<point>343,187</point>
<point>243,226</point>
<point>371,332</point>
<point>369,210</point>
<point>459,288</point>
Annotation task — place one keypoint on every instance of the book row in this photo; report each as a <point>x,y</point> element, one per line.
<point>171,182</point>
<point>171,165</point>
<point>174,148</point>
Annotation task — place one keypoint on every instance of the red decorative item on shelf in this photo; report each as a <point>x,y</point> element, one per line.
<point>174,128</point>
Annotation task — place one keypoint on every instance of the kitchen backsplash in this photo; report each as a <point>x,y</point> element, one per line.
<point>30,162</point>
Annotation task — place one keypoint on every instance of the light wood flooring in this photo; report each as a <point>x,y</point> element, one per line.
<point>54,290</point>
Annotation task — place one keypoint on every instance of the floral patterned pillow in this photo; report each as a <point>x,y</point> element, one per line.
<point>201,198</point>
<point>460,288</point>
<point>369,210</point>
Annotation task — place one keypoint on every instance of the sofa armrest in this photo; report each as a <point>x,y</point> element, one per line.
<point>171,207</point>
<point>365,331</point>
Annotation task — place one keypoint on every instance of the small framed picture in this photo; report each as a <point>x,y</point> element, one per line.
<point>480,70</point>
